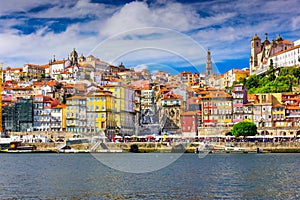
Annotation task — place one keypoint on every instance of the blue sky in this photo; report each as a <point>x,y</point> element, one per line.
<point>158,35</point>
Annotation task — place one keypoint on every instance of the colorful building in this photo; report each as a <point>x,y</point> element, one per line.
<point>239,98</point>
<point>124,107</point>
<point>190,121</point>
<point>100,112</point>
<point>58,118</point>
<point>76,114</point>
<point>42,107</point>
<point>217,109</point>
<point>170,113</point>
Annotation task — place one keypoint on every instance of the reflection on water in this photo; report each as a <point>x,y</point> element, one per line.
<point>49,176</point>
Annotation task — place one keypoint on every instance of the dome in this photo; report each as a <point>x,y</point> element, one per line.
<point>255,37</point>
<point>279,38</point>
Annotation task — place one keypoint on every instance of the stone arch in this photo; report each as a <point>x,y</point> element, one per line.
<point>284,133</point>
<point>264,132</point>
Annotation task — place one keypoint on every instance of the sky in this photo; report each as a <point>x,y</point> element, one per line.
<point>158,35</point>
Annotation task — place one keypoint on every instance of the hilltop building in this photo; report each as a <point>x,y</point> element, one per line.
<point>279,52</point>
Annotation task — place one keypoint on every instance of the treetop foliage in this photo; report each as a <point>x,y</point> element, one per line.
<point>274,81</point>
<point>244,129</point>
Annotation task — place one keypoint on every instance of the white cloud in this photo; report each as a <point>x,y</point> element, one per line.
<point>296,23</point>
<point>139,14</point>
<point>140,67</point>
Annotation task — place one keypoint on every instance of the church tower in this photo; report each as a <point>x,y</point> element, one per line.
<point>74,57</point>
<point>256,48</point>
<point>208,63</point>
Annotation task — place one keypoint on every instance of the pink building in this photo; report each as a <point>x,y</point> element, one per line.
<point>239,98</point>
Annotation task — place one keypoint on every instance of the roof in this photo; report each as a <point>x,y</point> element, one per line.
<point>51,83</point>
<point>31,65</point>
<point>292,107</point>
<point>76,97</point>
<point>60,106</point>
<point>14,69</point>
<point>58,62</point>
<point>38,83</point>
<point>44,66</point>
<point>216,94</point>
<point>171,95</point>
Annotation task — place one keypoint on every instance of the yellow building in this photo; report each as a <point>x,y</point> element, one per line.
<point>187,78</point>
<point>234,75</point>
<point>100,111</point>
<point>278,111</point>
<point>124,108</point>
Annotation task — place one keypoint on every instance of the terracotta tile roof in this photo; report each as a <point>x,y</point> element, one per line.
<point>215,94</point>
<point>60,106</point>
<point>186,73</point>
<point>171,95</point>
<point>22,88</point>
<point>287,42</point>
<point>31,65</point>
<point>292,107</point>
<point>38,83</point>
<point>44,66</point>
<point>58,62</point>
<point>14,69</point>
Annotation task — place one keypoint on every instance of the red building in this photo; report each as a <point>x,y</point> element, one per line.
<point>190,121</point>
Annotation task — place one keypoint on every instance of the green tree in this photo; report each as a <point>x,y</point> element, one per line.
<point>271,72</point>
<point>244,129</point>
<point>252,82</point>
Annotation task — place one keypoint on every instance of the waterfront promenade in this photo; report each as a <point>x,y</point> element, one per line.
<point>57,140</point>
<point>145,147</point>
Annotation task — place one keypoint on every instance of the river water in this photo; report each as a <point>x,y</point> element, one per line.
<point>82,176</point>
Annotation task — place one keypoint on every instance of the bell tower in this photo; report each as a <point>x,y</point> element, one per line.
<point>208,63</point>
<point>255,49</point>
<point>74,57</point>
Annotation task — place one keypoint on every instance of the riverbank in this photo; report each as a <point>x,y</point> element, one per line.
<point>164,147</point>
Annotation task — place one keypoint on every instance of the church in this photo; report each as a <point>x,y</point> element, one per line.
<point>279,52</point>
